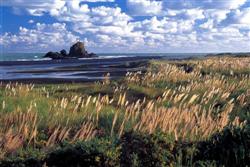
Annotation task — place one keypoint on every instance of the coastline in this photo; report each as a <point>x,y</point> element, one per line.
<point>85,69</point>
<point>72,70</point>
<point>175,92</point>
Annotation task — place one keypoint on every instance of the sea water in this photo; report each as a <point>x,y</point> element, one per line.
<point>32,67</point>
<point>39,56</point>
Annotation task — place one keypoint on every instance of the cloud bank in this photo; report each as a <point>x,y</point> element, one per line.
<point>141,26</point>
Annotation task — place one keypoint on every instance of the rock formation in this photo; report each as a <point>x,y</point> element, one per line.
<point>64,52</point>
<point>76,51</point>
<point>54,55</point>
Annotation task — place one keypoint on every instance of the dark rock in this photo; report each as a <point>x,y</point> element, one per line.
<point>64,52</point>
<point>54,55</point>
<point>186,67</point>
<point>92,55</point>
<point>78,50</point>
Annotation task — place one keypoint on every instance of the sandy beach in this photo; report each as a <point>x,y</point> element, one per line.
<point>71,71</point>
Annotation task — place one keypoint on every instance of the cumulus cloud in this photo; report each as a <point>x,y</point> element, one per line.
<point>35,7</point>
<point>39,7</point>
<point>42,37</point>
<point>240,16</point>
<point>193,25</point>
<point>98,0</point>
<point>31,21</point>
<point>145,7</point>
<point>206,4</point>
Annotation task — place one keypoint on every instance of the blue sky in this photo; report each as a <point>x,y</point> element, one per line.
<point>125,25</point>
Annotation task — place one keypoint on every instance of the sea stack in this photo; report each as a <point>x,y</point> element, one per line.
<point>76,51</point>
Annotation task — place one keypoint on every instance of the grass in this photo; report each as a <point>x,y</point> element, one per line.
<point>184,104</point>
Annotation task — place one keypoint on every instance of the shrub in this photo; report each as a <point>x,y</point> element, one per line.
<point>146,150</point>
<point>228,148</point>
<point>98,152</point>
<point>22,163</point>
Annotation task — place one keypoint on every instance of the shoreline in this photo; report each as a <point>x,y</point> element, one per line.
<point>177,106</point>
<point>71,71</point>
<point>81,70</point>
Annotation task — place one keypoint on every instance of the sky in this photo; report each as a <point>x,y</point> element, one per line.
<point>106,26</point>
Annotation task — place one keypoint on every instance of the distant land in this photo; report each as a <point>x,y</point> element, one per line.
<point>241,54</point>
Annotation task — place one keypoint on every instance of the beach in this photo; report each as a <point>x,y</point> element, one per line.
<point>73,70</point>
<point>33,68</point>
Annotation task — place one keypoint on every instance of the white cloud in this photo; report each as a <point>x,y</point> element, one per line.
<point>194,14</point>
<point>41,38</point>
<point>205,4</point>
<point>31,21</point>
<point>35,7</point>
<point>207,25</point>
<point>144,7</point>
<point>173,7</point>
<point>217,15</point>
<point>170,25</point>
<point>98,0</point>
<point>39,7</point>
<point>242,16</point>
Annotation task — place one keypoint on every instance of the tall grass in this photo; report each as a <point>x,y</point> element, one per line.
<point>191,106</point>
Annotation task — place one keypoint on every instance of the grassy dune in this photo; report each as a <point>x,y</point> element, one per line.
<point>179,113</point>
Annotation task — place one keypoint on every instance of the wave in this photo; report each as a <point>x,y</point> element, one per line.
<point>99,57</point>
<point>107,57</point>
<point>36,59</point>
<point>22,57</point>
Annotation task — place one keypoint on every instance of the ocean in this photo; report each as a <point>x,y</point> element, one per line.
<point>39,56</point>
<point>33,68</point>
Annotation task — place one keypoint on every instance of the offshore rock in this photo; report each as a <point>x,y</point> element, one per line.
<point>76,51</point>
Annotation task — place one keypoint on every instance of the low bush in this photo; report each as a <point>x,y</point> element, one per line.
<point>228,148</point>
<point>146,150</point>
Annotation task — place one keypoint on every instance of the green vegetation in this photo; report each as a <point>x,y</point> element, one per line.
<point>178,113</point>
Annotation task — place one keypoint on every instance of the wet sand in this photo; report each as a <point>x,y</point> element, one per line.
<point>71,71</point>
